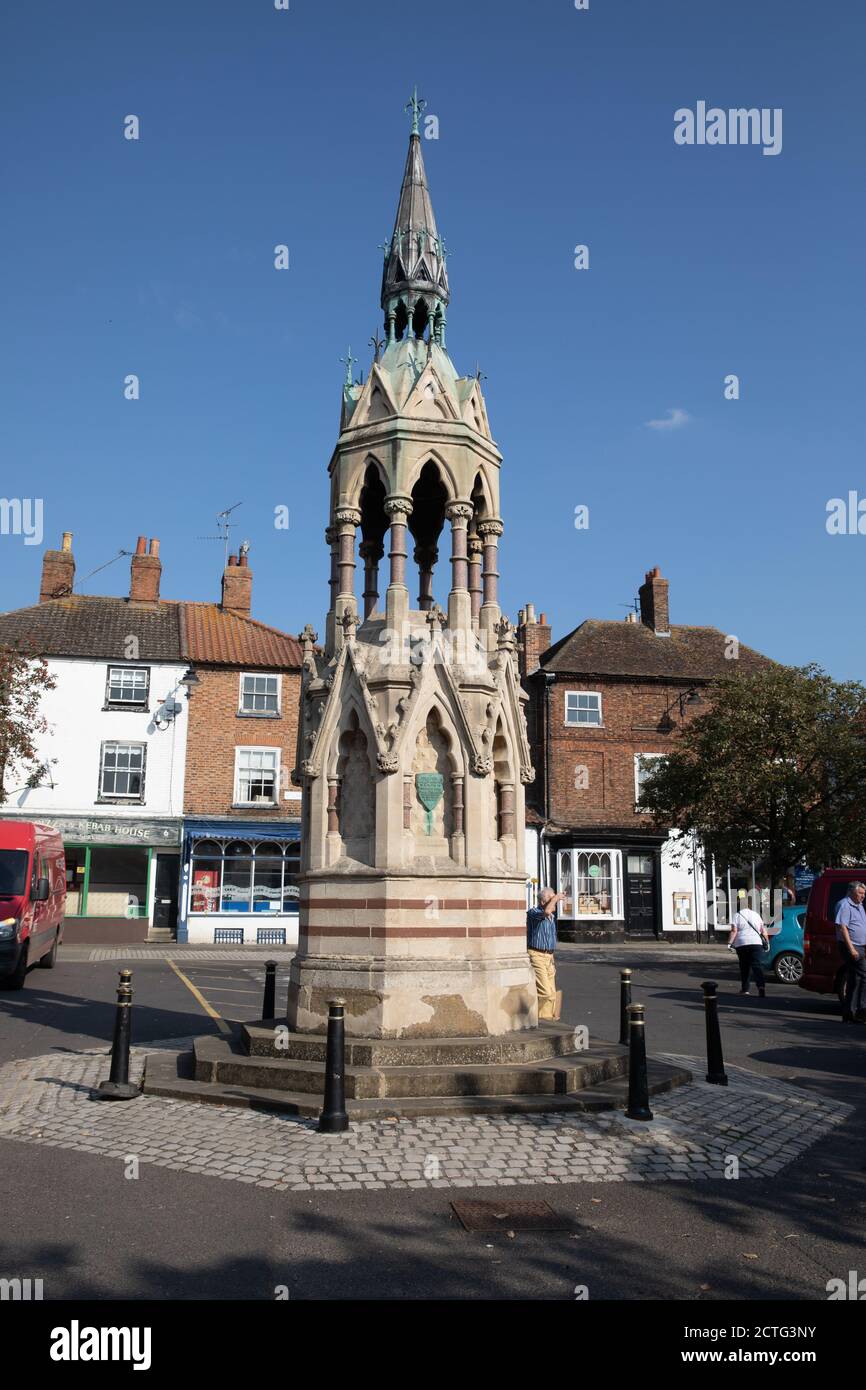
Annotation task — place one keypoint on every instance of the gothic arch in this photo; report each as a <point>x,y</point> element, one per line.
<point>445,473</point>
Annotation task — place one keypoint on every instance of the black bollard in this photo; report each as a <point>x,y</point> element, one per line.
<point>638,1085</point>
<point>269,1007</point>
<point>715,1061</point>
<point>624,1001</point>
<point>333,1119</point>
<point>118,1086</point>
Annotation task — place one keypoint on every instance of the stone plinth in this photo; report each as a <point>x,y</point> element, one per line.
<point>414,957</point>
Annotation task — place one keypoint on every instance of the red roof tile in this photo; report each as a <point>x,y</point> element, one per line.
<point>217,637</point>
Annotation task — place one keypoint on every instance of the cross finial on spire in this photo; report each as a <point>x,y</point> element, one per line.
<point>350,362</point>
<point>416,106</point>
<point>377,344</point>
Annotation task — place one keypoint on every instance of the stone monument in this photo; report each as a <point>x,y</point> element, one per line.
<point>413,753</point>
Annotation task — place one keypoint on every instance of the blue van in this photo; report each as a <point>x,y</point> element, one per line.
<point>784,959</point>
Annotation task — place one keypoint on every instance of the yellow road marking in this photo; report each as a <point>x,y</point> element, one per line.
<point>199,997</point>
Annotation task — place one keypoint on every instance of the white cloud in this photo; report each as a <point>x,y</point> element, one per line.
<point>675,419</point>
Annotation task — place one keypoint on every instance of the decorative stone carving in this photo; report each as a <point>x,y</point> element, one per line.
<point>398,509</point>
<point>347,516</point>
<point>387,762</point>
<point>481,765</point>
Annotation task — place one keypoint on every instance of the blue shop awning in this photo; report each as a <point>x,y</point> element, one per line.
<point>241,830</point>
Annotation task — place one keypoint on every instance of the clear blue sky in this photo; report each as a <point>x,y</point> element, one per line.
<point>556,128</point>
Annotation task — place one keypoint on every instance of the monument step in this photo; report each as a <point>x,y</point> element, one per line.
<point>270,1038</point>
<point>224,1060</point>
<point>170,1075</point>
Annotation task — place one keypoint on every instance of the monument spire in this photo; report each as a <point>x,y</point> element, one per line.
<point>415,290</point>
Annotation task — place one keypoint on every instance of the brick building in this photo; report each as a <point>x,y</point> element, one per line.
<point>604,701</point>
<point>241,814</point>
<point>171,730</point>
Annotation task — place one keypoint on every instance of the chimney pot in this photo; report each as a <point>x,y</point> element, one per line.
<point>530,612</point>
<point>237,586</point>
<point>58,571</point>
<point>654,602</point>
<point>144,572</point>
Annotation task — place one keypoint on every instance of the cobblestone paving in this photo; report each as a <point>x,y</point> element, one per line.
<point>756,1125</point>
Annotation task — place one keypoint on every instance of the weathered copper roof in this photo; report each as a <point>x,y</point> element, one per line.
<point>633,649</point>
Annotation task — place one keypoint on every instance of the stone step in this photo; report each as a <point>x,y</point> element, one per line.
<point>269,1038</point>
<point>170,1075</point>
<point>224,1060</point>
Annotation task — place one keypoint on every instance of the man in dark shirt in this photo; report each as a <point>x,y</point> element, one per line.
<point>541,944</point>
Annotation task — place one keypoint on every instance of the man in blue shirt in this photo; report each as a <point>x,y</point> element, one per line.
<point>541,944</point>
<point>851,936</point>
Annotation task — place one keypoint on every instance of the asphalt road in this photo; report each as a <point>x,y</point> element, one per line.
<point>172,1235</point>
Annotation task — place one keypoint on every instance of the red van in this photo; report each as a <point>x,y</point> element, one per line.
<point>823,970</point>
<point>32,898</point>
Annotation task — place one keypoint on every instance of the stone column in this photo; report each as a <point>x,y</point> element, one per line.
<point>490,531</point>
<point>371,553</point>
<point>407,803</point>
<point>331,539</point>
<point>476,547</point>
<point>459,610</point>
<point>506,810</point>
<point>399,509</point>
<point>425,556</point>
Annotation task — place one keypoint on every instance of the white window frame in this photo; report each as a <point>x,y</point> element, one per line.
<point>114,744</point>
<point>584,723</point>
<point>637,764</point>
<point>115,702</point>
<point>260,713</point>
<point>617,911</point>
<point>256,748</point>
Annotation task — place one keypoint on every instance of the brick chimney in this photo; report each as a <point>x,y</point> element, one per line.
<point>238,583</point>
<point>533,638</point>
<point>58,571</point>
<point>654,609</point>
<point>145,571</point>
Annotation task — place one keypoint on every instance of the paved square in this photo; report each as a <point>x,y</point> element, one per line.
<point>754,1126</point>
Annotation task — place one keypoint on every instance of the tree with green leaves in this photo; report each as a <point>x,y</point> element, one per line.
<point>23,681</point>
<point>774,771</point>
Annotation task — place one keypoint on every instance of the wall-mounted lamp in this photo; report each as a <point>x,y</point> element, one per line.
<point>169,708</point>
<point>687,699</point>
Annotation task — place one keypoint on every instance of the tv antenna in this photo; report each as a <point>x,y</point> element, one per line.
<point>224,526</point>
<point>634,605</point>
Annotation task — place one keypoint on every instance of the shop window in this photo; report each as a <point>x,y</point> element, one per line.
<point>291,888</point>
<point>583,707</point>
<point>121,772</point>
<point>238,876</point>
<point>206,884</point>
<point>128,686</point>
<point>256,774</point>
<point>260,695</point>
<point>593,879</point>
<point>267,880</point>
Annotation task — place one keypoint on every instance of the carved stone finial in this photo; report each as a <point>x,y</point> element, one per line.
<point>309,638</point>
<point>349,622</point>
<point>505,633</point>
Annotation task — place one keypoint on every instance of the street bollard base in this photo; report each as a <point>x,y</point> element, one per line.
<point>116,1090</point>
<point>639,1115</point>
<point>333,1124</point>
<point>717,1078</point>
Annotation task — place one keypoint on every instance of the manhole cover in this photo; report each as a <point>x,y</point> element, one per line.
<point>509,1216</point>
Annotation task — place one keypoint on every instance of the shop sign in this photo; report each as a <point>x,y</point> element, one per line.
<point>92,830</point>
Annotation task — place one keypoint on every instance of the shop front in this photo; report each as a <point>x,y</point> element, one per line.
<point>121,875</point>
<point>619,886</point>
<point>240,883</point>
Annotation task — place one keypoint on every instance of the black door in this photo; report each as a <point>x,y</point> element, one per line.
<point>165,906</point>
<point>640,883</point>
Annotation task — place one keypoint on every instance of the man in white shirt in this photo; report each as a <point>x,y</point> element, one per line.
<point>749,939</point>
